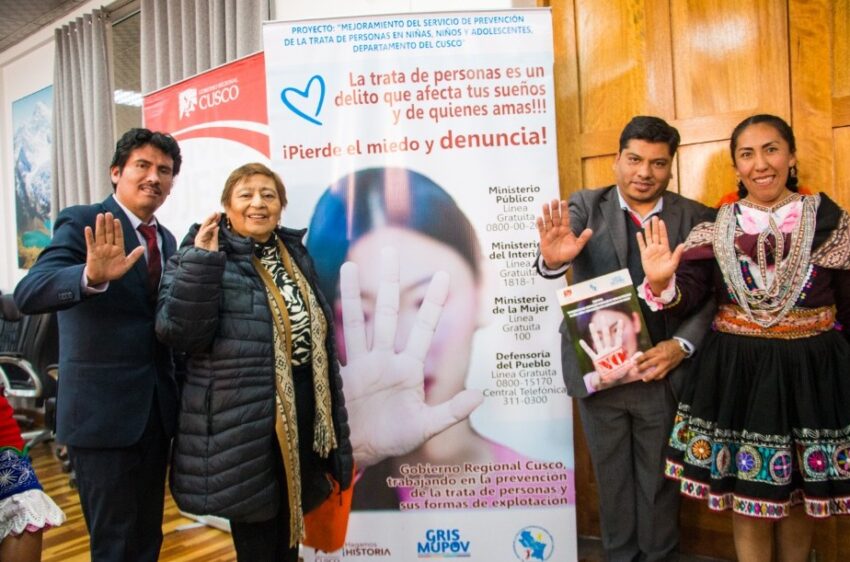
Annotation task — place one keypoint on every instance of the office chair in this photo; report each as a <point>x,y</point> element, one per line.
<point>10,322</point>
<point>29,349</point>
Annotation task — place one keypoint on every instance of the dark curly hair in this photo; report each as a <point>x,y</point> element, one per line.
<point>650,129</point>
<point>137,138</point>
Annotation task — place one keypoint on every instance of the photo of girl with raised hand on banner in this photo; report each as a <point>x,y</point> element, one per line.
<point>355,219</point>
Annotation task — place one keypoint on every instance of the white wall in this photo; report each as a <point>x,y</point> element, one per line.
<point>24,69</point>
<point>28,67</point>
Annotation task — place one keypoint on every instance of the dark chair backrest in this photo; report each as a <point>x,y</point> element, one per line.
<point>36,339</point>
<point>10,325</point>
<point>38,342</point>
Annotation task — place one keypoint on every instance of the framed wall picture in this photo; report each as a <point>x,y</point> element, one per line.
<point>32,123</point>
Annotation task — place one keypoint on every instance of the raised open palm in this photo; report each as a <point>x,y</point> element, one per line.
<point>659,262</point>
<point>105,257</point>
<point>558,243</point>
<point>384,388</point>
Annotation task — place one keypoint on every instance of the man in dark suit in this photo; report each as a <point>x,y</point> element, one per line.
<point>117,401</point>
<point>628,426</point>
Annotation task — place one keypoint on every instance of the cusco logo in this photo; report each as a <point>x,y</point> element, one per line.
<point>208,98</point>
<point>533,543</point>
<point>443,543</point>
<point>187,99</point>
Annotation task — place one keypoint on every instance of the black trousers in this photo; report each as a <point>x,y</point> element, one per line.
<point>122,492</point>
<point>266,541</point>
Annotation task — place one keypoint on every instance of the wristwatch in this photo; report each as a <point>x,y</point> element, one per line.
<point>685,347</point>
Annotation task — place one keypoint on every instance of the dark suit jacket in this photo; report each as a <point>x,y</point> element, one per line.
<point>110,362</point>
<point>607,251</point>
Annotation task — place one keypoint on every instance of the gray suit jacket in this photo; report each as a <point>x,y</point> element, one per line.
<point>607,251</point>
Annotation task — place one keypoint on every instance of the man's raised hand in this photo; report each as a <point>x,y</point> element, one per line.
<point>105,257</point>
<point>558,243</point>
<point>659,262</point>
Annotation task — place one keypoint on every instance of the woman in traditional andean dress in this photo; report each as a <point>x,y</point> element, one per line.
<point>763,426</point>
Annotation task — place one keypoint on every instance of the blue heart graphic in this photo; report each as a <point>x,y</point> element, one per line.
<point>304,95</point>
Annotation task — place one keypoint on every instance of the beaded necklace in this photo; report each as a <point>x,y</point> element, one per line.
<point>768,305</point>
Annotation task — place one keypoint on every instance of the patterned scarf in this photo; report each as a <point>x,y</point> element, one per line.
<point>286,424</point>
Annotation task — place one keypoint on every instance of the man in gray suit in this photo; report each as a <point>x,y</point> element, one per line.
<point>627,426</point>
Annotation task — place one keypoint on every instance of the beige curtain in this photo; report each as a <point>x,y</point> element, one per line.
<point>83,138</point>
<point>180,38</point>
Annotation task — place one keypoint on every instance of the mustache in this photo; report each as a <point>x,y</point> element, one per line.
<point>150,185</point>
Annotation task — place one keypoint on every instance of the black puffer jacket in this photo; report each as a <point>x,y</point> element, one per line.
<point>213,306</point>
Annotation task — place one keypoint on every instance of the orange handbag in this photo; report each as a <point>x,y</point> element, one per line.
<point>326,525</point>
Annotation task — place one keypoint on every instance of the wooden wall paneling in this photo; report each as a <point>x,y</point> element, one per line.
<point>705,171</point>
<point>624,61</point>
<point>712,128</point>
<point>601,143</point>
<point>729,56</point>
<point>624,70</point>
<point>841,147</point>
<point>810,33</point>
<point>841,101</point>
<point>598,171</point>
<point>841,49</point>
<point>841,111</point>
<point>612,54</point>
<point>730,60</point>
<point>660,100</point>
<point>568,124</point>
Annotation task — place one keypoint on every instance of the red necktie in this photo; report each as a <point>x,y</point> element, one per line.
<point>635,218</point>
<point>154,260</point>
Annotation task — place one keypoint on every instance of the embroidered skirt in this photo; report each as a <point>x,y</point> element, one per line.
<point>23,504</point>
<point>764,424</point>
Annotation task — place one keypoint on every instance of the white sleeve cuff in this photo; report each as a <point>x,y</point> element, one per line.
<point>548,272</point>
<point>656,303</point>
<point>686,346</point>
<point>92,289</point>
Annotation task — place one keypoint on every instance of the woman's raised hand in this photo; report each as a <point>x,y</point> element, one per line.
<point>384,388</point>
<point>558,244</point>
<point>207,236</point>
<point>659,263</point>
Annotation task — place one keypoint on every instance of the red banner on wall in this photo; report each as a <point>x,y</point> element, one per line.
<point>227,102</point>
<point>220,119</point>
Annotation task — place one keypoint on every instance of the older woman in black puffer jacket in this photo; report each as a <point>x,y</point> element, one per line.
<point>262,419</point>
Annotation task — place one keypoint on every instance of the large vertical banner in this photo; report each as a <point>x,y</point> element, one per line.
<point>435,133</point>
